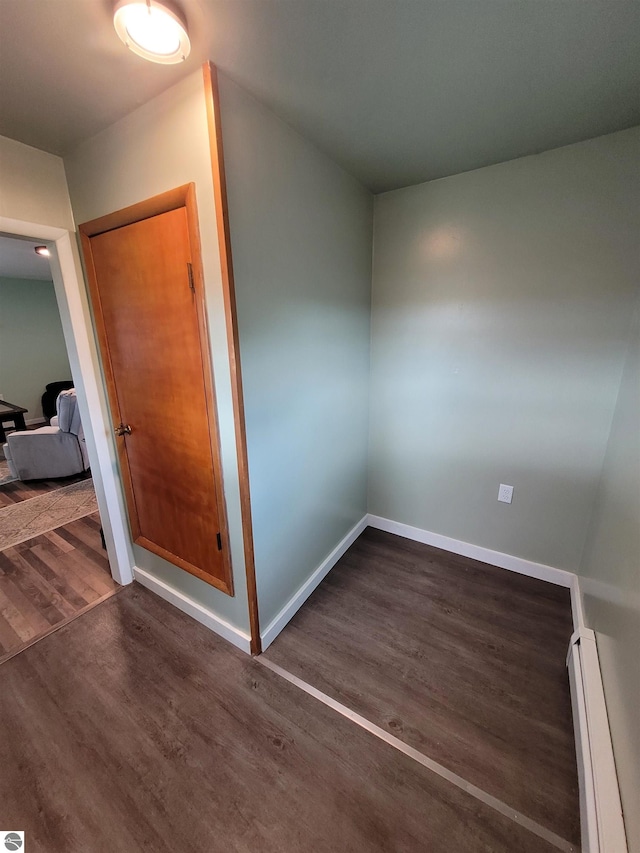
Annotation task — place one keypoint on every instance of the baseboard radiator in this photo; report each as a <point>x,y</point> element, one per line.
<point>600,807</point>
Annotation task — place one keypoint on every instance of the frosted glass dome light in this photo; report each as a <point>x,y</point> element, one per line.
<point>152,30</point>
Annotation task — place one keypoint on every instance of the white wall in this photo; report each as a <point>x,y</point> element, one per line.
<point>501,310</point>
<point>33,187</point>
<point>610,582</point>
<point>301,238</point>
<point>32,348</point>
<point>162,145</point>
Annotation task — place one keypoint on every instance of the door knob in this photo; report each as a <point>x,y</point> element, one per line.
<point>123,429</point>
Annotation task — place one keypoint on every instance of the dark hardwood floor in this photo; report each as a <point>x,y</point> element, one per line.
<point>463,661</point>
<point>134,728</point>
<point>48,580</point>
<point>12,493</point>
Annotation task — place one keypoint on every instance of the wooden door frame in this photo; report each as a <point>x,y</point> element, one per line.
<point>178,198</point>
<point>68,281</point>
<point>214,123</point>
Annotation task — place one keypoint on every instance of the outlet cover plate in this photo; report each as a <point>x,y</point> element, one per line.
<point>505,493</point>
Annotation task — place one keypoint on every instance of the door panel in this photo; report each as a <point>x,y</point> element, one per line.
<point>150,315</point>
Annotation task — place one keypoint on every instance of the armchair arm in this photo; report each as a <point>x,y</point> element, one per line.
<point>45,453</point>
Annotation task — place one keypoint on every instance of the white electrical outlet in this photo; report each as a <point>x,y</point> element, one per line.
<point>505,493</point>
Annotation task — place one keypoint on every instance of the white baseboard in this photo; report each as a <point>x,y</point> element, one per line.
<point>31,422</point>
<point>298,599</point>
<point>601,820</point>
<point>194,609</point>
<point>560,577</point>
<point>577,609</point>
<point>600,810</point>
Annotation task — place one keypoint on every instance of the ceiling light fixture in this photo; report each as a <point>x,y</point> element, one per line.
<point>155,31</point>
<point>42,250</point>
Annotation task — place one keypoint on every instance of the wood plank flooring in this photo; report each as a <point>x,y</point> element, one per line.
<point>11,493</point>
<point>135,728</point>
<point>49,579</point>
<point>463,661</point>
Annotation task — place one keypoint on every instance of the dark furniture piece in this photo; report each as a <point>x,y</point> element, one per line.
<point>10,412</point>
<point>51,395</point>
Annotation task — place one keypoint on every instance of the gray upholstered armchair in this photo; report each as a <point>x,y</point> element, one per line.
<point>52,451</point>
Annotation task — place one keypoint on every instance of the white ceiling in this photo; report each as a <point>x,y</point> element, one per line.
<point>398,91</point>
<point>19,260</point>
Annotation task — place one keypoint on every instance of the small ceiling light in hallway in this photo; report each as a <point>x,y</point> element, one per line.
<point>42,250</point>
<point>153,30</point>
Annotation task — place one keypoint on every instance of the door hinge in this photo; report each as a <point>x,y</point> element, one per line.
<point>192,286</point>
<point>219,541</point>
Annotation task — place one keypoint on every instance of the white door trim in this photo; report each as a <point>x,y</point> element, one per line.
<point>85,370</point>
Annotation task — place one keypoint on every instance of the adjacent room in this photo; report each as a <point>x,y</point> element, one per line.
<point>51,556</point>
<point>342,316</point>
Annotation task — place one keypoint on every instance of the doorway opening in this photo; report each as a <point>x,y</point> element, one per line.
<point>62,541</point>
<point>53,563</point>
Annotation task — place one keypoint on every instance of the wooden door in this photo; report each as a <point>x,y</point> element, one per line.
<point>146,286</point>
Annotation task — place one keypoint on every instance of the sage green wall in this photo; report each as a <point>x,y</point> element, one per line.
<point>32,347</point>
<point>501,310</point>
<point>610,585</point>
<point>301,232</point>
